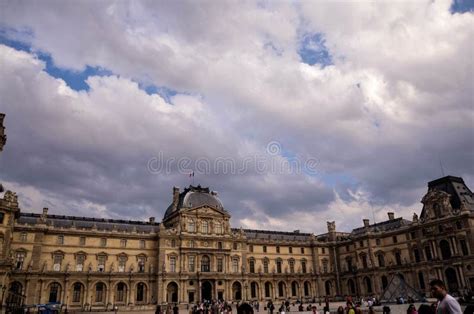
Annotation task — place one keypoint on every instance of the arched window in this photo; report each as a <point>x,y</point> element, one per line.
<point>54,292</point>
<point>205,264</point>
<point>252,266</point>
<point>268,290</point>
<point>281,289</point>
<point>253,290</point>
<point>292,265</point>
<point>421,280</point>
<point>445,249</point>
<point>278,262</point>
<point>307,288</point>
<point>294,289</point>
<point>429,257</point>
<point>77,292</point>
<point>141,292</point>
<point>368,285</point>
<point>381,260</point>
<point>99,292</point>
<point>120,293</point>
<point>398,258</point>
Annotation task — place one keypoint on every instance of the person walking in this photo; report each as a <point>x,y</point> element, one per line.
<point>446,303</point>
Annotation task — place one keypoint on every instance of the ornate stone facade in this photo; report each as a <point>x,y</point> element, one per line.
<point>194,254</point>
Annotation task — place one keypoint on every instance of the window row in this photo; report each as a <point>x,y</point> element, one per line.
<point>99,293</point>
<point>206,226</point>
<point>82,241</point>
<point>80,260</point>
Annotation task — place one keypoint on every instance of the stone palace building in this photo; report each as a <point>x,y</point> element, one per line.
<point>194,254</point>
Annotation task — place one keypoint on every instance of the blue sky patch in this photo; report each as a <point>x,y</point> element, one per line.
<point>165,92</point>
<point>462,6</point>
<point>76,80</point>
<point>313,50</point>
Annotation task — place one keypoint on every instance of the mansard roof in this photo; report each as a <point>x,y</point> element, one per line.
<point>454,186</point>
<point>275,235</point>
<point>60,221</point>
<point>388,225</point>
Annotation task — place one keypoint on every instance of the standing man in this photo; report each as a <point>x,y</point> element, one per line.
<point>446,303</point>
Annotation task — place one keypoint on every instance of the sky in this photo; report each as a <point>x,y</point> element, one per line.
<point>295,112</point>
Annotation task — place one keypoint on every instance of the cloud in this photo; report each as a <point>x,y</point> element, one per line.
<point>393,101</point>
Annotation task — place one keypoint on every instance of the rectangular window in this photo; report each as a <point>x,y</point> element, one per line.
<point>57,260</point>
<point>251,248</point>
<point>219,245</point>
<point>235,245</point>
<point>82,240</point>
<point>220,265</point>
<point>278,249</point>
<point>377,241</point>
<point>279,267</point>
<point>325,266</point>
<point>235,265</point>
<point>323,250</point>
<point>265,266</point>
<point>80,262</point>
<point>218,228</point>
<point>416,253</point>
<point>141,264</point>
<point>303,267</point>
<point>101,263</point>
<point>23,237</point>
<point>464,249</point>
<point>302,250</point>
<point>20,258</point>
<point>205,227</point>
<point>123,243</point>
<point>264,249</point>
<point>103,242</point>
<point>413,235</point>
<point>395,240</point>
<point>347,248</point>
<point>172,264</point>
<point>290,250</point>
<point>361,243</point>
<point>429,257</point>
<point>60,240</point>
<point>292,267</point>
<point>122,263</point>
<point>141,244</point>
<point>191,263</point>
<point>252,266</point>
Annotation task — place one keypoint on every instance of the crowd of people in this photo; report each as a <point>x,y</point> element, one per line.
<point>445,304</point>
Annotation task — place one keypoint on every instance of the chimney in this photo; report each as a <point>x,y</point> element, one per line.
<point>391,216</point>
<point>152,220</point>
<point>175,197</point>
<point>366,222</point>
<point>45,214</point>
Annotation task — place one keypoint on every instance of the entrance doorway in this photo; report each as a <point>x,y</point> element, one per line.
<point>206,291</point>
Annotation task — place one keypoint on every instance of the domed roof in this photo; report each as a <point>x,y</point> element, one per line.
<point>192,197</point>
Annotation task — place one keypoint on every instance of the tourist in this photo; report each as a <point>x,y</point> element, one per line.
<point>412,309</point>
<point>446,303</point>
<point>340,310</point>
<point>315,310</point>
<point>371,310</point>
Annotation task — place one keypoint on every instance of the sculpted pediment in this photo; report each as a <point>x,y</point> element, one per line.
<point>206,211</point>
